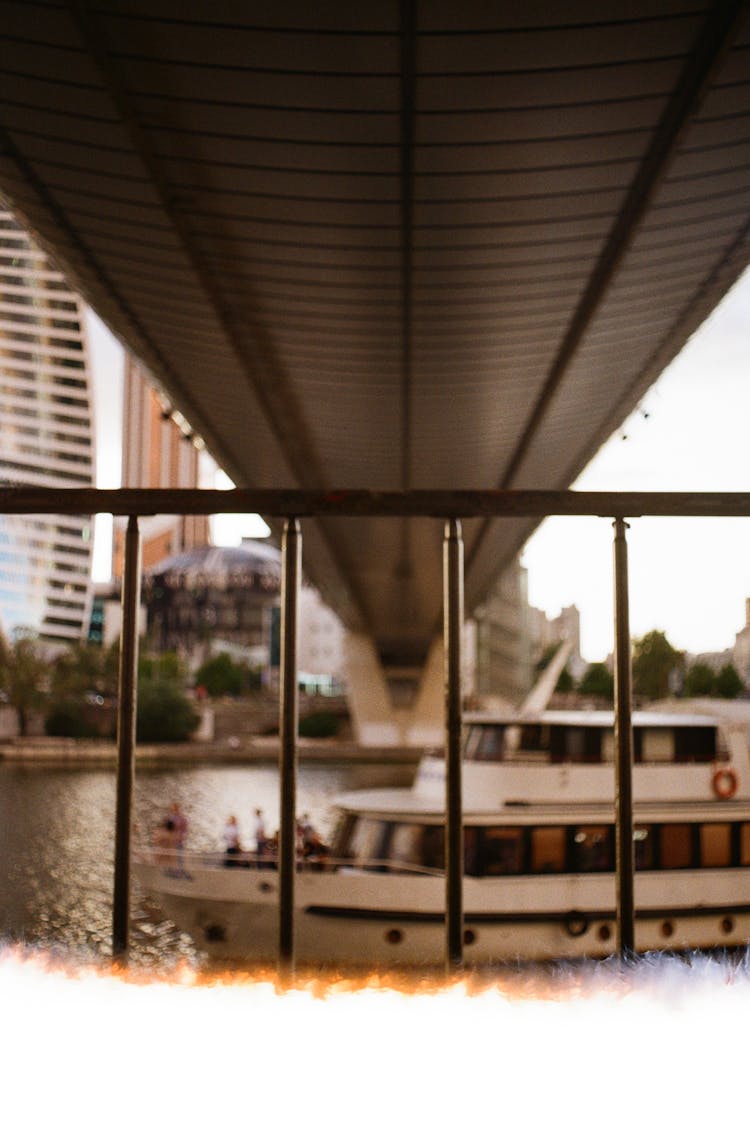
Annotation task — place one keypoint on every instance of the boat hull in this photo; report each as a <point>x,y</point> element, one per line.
<point>359,920</point>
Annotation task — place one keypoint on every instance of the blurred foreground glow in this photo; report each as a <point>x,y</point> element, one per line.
<point>603,1045</point>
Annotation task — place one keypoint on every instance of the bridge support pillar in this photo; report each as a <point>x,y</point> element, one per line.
<point>376,724</point>
<point>377,721</point>
<point>426,727</point>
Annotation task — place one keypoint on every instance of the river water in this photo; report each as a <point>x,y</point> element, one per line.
<point>57,844</point>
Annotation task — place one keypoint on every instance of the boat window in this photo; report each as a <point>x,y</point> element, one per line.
<point>471,845</point>
<point>342,835</point>
<point>592,849</point>
<point>695,744</point>
<point>406,844</point>
<point>501,852</point>
<point>716,844</point>
<point>676,846</point>
<point>368,838</point>
<point>745,843</point>
<point>576,744</point>
<point>486,743</point>
<point>534,737</point>
<point>657,745</point>
<point>548,849</point>
<point>608,746</point>
<point>471,742</point>
<point>675,744</point>
<point>643,845</point>
<point>433,847</point>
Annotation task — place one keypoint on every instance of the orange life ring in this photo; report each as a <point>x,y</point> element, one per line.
<point>724,782</point>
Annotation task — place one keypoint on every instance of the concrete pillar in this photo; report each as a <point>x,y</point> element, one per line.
<point>426,726</point>
<point>376,722</point>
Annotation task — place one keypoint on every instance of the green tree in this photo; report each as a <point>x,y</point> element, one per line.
<point>161,666</point>
<point>82,668</point>
<point>654,663</point>
<point>700,680</point>
<point>728,682</point>
<point>67,718</point>
<point>319,725</point>
<point>82,673</point>
<point>220,676</point>
<point>24,675</point>
<point>597,680</point>
<point>165,714</point>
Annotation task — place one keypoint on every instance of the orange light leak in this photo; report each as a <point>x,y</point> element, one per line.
<point>661,1043</point>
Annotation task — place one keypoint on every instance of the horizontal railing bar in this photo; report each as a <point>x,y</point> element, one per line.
<point>352,503</point>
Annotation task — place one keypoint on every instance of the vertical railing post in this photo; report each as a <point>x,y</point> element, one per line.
<point>625,862</point>
<point>453,601</point>
<point>126,720</point>
<point>288,727</point>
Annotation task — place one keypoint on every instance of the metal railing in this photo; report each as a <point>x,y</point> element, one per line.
<point>451,506</point>
<point>183,863</point>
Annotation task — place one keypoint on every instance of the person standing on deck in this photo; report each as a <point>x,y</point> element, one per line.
<point>232,847</point>
<point>259,829</point>
<point>180,827</point>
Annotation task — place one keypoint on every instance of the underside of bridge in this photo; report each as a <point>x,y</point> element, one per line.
<point>394,245</point>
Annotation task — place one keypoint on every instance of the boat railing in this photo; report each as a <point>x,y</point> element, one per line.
<point>182,863</point>
<point>389,865</point>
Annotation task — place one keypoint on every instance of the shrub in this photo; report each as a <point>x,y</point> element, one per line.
<point>319,725</point>
<point>597,680</point>
<point>165,715</point>
<point>66,719</point>
<point>220,676</point>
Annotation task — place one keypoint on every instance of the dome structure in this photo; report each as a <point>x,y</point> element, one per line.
<point>214,598</point>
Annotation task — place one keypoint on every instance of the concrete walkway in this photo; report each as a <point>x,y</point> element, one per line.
<point>256,749</point>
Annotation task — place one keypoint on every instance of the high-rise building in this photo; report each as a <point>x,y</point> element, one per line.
<point>503,660</point>
<point>46,424</point>
<point>157,452</point>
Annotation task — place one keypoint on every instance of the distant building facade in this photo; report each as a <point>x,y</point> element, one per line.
<point>741,651</point>
<point>321,643</point>
<point>503,661</point>
<point>547,631</point>
<point>46,422</point>
<point>156,452</point>
<point>212,599</point>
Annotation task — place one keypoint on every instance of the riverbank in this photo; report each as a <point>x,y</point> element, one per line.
<point>244,751</point>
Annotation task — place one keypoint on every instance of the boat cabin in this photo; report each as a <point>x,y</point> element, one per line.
<point>535,847</point>
<point>588,737</point>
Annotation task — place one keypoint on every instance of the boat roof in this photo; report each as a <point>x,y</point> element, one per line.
<point>584,718</point>
<point>403,804</point>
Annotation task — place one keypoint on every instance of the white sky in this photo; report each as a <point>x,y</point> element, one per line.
<point>688,577</point>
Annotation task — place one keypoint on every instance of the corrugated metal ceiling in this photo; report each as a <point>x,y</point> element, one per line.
<point>393,245</point>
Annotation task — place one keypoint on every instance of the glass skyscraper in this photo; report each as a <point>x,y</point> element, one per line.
<point>46,440</point>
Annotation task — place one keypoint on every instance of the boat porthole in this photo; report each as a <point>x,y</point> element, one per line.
<point>215,933</point>
<point>395,935</point>
<point>727,925</point>
<point>604,933</point>
<point>469,936</point>
<point>667,928</point>
<point>576,925</point>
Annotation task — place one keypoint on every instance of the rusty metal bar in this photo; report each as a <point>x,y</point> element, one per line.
<point>288,727</point>
<point>625,863</point>
<point>435,504</point>
<point>453,618</point>
<point>126,720</point>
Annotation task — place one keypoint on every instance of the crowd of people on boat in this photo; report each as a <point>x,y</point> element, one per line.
<point>171,836</point>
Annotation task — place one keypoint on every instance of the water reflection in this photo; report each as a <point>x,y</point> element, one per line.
<point>57,844</point>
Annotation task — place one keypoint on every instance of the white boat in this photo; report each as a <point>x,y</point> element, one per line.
<point>539,853</point>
